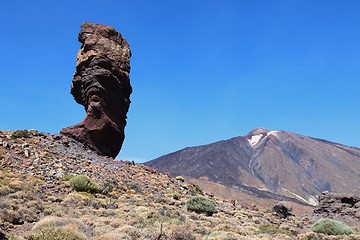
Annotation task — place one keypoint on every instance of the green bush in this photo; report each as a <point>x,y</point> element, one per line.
<point>331,227</point>
<point>177,196</point>
<point>83,183</point>
<point>55,234</point>
<point>200,204</point>
<point>66,177</point>
<point>21,134</point>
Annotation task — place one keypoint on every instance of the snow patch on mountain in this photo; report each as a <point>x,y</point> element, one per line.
<point>255,139</point>
<point>274,133</point>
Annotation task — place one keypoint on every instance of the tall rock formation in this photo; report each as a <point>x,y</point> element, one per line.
<point>101,84</point>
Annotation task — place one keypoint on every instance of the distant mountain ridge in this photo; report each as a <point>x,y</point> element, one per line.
<point>276,164</point>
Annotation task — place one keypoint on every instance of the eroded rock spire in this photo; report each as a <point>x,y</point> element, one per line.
<point>101,84</point>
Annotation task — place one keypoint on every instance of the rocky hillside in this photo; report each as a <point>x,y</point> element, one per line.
<point>40,199</point>
<point>275,164</point>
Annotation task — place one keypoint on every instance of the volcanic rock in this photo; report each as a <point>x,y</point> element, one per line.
<point>101,84</point>
<point>283,209</point>
<point>333,205</point>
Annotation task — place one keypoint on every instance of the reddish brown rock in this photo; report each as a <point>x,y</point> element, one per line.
<point>101,84</point>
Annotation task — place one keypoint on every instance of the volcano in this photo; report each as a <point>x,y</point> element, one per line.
<point>275,164</point>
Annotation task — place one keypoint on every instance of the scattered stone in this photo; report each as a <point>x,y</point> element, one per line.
<point>56,137</point>
<point>150,169</point>
<point>42,188</point>
<point>131,191</point>
<point>180,178</point>
<point>27,153</point>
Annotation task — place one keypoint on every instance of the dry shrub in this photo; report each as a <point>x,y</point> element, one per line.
<point>77,199</point>
<point>130,231</point>
<point>247,230</point>
<point>273,229</point>
<point>181,233</point>
<point>309,236</point>
<point>17,212</point>
<point>6,174</point>
<point>114,235</point>
<point>52,222</point>
<point>59,222</point>
<point>32,180</point>
<point>16,184</point>
<point>241,230</point>
<point>221,235</point>
<point>54,210</point>
<point>225,228</point>
<point>30,214</point>
<point>56,234</point>
<point>115,222</point>
<point>356,229</point>
<point>2,153</point>
<point>11,216</point>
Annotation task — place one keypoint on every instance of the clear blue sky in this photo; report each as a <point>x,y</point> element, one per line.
<point>202,71</point>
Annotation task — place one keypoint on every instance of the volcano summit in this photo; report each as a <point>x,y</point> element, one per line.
<point>276,164</point>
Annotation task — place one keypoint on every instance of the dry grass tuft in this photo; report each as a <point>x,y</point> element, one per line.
<point>56,234</point>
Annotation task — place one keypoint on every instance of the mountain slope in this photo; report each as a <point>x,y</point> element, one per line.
<point>38,199</point>
<point>270,163</point>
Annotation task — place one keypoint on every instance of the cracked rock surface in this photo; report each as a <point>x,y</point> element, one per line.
<point>101,84</point>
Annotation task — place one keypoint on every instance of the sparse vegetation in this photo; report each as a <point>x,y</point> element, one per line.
<point>177,196</point>
<point>21,134</point>
<point>222,235</point>
<point>107,187</point>
<point>331,227</point>
<point>198,189</point>
<point>195,189</point>
<point>56,234</point>
<point>273,229</point>
<point>201,204</point>
<point>66,177</point>
<point>53,222</point>
<point>83,183</point>
<point>181,233</point>
<point>131,203</point>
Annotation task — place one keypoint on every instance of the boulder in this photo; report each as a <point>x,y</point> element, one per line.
<point>283,209</point>
<point>335,204</point>
<point>101,84</point>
